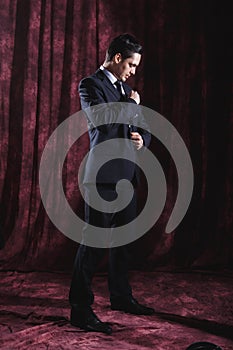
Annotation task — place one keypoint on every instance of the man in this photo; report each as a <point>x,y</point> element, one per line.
<point>107,85</point>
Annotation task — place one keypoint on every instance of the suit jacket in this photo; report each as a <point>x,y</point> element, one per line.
<point>108,121</point>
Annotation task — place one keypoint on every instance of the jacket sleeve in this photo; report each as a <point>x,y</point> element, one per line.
<point>101,112</point>
<point>99,109</point>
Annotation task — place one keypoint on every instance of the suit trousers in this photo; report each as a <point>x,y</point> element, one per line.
<point>88,258</point>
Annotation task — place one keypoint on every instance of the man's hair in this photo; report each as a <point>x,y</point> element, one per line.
<point>125,44</point>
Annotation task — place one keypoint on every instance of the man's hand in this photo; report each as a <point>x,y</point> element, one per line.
<point>137,140</point>
<point>135,96</point>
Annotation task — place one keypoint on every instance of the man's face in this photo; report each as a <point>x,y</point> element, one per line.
<point>125,68</point>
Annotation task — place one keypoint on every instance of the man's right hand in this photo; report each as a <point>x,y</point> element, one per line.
<point>135,96</point>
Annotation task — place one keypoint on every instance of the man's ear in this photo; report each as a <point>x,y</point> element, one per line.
<point>117,58</point>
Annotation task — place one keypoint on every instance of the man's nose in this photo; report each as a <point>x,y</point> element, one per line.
<point>133,71</point>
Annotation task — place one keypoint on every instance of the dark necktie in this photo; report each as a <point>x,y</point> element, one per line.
<point>118,84</point>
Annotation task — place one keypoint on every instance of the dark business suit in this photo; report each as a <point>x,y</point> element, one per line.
<point>94,91</point>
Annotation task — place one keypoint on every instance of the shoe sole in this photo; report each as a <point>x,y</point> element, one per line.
<point>90,329</point>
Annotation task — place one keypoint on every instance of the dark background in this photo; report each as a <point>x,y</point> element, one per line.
<point>185,75</point>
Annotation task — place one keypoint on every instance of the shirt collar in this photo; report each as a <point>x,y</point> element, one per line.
<point>109,75</point>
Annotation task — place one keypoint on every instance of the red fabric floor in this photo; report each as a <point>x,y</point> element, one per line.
<point>190,307</point>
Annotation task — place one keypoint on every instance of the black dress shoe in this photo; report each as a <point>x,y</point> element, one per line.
<point>131,306</point>
<point>86,319</point>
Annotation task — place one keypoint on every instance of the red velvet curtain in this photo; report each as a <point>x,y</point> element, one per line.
<point>186,75</point>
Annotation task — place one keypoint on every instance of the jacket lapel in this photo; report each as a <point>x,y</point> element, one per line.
<point>107,83</point>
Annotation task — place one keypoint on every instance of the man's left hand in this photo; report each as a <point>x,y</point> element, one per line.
<point>137,140</point>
